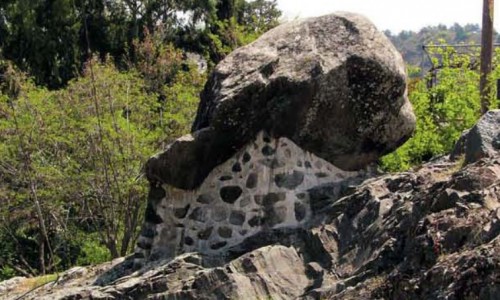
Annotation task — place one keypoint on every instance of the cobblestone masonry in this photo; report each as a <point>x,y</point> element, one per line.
<point>263,186</point>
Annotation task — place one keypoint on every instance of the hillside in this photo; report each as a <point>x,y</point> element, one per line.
<point>410,43</point>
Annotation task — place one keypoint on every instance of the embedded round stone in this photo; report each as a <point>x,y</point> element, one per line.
<point>225,232</point>
<point>230,194</point>
<point>204,199</point>
<point>272,163</point>
<point>301,196</point>
<point>252,180</point>
<point>237,217</point>
<point>268,150</point>
<point>236,167</point>
<point>188,241</point>
<point>198,215</point>
<point>276,215</point>
<point>218,245</point>
<point>246,157</point>
<point>321,174</point>
<point>256,221</point>
<point>272,198</point>
<point>180,213</point>
<point>300,211</point>
<point>225,178</point>
<point>205,234</point>
<point>289,181</point>
<point>219,213</point>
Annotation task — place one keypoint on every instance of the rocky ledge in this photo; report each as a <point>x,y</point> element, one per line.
<point>430,233</point>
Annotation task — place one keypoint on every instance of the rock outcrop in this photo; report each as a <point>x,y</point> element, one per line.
<point>309,104</point>
<point>426,234</point>
<point>482,140</point>
<point>271,197</point>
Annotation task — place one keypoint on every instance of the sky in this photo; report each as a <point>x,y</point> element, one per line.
<point>395,15</point>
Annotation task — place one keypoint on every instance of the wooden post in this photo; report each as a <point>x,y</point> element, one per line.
<point>486,54</point>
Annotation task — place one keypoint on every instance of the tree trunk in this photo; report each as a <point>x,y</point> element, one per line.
<point>486,54</point>
<point>41,255</point>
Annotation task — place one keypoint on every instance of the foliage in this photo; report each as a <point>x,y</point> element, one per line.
<point>156,61</point>
<point>41,37</point>
<point>443,111</point>
<point>71,162</point>
<point>260,16</point>
<point>230,24</point>
<point>52,39</point>
<point>92,252</point>
<point>228,36</point>
<point>7,272</point>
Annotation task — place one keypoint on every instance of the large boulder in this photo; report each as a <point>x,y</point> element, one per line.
<point>482,140</point>
<point>334,85</point>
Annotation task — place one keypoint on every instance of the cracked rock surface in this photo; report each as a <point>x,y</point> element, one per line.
<point>431,233</point>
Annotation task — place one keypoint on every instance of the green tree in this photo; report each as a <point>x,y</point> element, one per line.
<point>260,15</point>
<point>41,37</point>
<point>238,23</point>
<point>443,111</point>
<point>71,162</point>
<point>52,39</point>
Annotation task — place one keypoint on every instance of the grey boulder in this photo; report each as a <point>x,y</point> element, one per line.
<point>334,85</point>
<point>482,140</point>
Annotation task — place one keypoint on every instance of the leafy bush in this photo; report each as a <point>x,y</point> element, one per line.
<point>71,162</point>
<point>93,252</point>
<point>443,111</point>
<point>6,272</point>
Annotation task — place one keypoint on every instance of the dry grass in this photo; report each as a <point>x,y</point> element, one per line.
<point>33,283</point>
<point>445,173</point>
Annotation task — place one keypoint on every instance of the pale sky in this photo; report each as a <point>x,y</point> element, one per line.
<point>396,15</point>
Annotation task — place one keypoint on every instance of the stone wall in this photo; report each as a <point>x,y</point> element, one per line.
<point>263,186</point>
